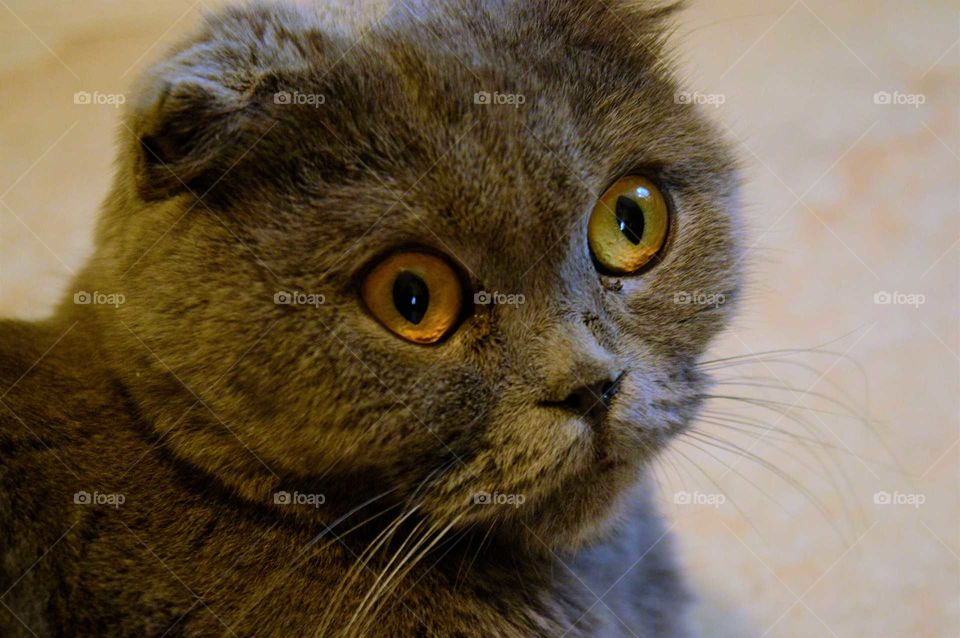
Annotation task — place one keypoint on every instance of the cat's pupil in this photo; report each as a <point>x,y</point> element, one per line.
<point>411,297</point>
<point>630,218</point>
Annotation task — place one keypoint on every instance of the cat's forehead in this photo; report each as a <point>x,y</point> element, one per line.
<point>477,133</point>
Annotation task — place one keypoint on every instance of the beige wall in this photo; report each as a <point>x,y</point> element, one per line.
<point>844,198</point>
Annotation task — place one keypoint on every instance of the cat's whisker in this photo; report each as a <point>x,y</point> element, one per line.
<point>746,454</point>
<point>651,453</point>
<point>385,536</point>
<point>782,413</point>
<point>725,21</point>
<point>819,349</point>
<point>769,436</point>
<point>802,441</point>
<point>483,540</point>
<point>376,583</point>
<point>779,355</point>
<point>770,363</point>
<point>773,404</point>
<point>732,468</point>
<point>452,542</point>
<point>794,412</point>
<point>771,430</point>
<point>417,552</point>
<point>304,553</point>
<point>830,475</point>
<point>762,432</point>
<point>666,459</point>
<point>747,382</point>
<point>661,482</point>
<point>770,376</point>
<point>361,563</point>
<point>366,521</point>
<point>410,500</point>
<point>713,481</point>
<point>411,564</point>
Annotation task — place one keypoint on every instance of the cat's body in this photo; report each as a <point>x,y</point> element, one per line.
<point>144,437</point>
<point>183,555</point>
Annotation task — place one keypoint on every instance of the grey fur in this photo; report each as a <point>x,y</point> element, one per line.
<point>199,398</point>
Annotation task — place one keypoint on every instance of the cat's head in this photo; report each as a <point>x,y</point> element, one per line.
<point>468,256</point>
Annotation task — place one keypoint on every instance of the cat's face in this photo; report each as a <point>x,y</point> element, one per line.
<point>554,397</point>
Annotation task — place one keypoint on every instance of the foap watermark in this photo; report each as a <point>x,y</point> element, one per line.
<point>898,98</point>
<point>316,100</point>
<point>299,498</point>
<point>96,98</point>
<point>484,298</point>
<point>99,498</point>
<point>97,298</point>
<point>896,298</point>
<point>699,298</point>
<point>899,498</point>
<point>699,498</point>
<point>496,98</point>
<point>296,298</point>
<point>496,498</point>
<point>716,100</point>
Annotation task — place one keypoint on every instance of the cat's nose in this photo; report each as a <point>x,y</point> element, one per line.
<point>580,376</point>
<point>590,400</point>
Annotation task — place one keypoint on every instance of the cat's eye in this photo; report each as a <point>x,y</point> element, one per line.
<point>628,225</point>
<point>417,296</point>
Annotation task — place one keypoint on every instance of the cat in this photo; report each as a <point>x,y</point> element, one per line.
<point>382,332</point>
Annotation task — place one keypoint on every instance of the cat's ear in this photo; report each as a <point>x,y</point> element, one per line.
<point>198,112</point>
<point>186,123</point>
<point>618,30</point>
<point>624,27</point>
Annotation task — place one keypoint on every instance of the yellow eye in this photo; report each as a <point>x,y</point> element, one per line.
<point>415,295</point>
<point>628,225</point>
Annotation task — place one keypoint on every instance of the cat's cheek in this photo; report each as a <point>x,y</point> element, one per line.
<point>527,455</point>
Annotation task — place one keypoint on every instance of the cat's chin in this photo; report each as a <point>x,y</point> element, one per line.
<point>582,511</point>
<point>580,507</point>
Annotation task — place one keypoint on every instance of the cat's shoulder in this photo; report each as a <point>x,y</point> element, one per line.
<point>51,381</point>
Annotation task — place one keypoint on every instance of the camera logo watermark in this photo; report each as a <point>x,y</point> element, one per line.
<point>895,298</point>
<point>496,98</point>
<point>897,98</point>
<point>86,98</point>
<point>496,498</point>
<point>716,100</point>
<point>316,100</point>
<point>294,298</point>
<point>484,298</point>
<point>899,498</point>
<point>97,298</point>
<point>96,498</point>
<point>699,498</point>
<point>697,298</point>
<point>298,498</point>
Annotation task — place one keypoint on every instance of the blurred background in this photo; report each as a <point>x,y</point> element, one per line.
<point>820,495</point>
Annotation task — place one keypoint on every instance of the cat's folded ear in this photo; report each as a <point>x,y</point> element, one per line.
<point>198,112</point>
<point>186,124</point>
<point>616,30</point>
<point>614,26</point>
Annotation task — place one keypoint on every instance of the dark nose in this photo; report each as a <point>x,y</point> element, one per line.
<point>590,400</point>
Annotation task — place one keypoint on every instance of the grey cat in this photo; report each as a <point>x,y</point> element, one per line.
<point>380,336</point>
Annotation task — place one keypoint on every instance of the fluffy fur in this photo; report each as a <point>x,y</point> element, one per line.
<point>198,398</point>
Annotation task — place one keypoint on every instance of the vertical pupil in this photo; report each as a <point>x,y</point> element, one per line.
<point>630,219</point>
<point>411,297</point>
